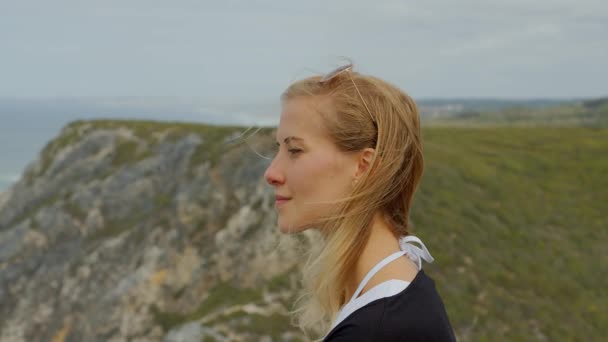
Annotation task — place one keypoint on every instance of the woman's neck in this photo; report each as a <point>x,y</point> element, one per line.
<point>382,242</point>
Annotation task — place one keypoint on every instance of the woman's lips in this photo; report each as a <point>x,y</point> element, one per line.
<point>278,203</point>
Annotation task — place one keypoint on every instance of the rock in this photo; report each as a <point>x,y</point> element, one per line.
<point>120,228</point>
<point>191,332</point>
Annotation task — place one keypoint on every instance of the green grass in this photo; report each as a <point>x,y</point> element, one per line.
<point>127,153</point>
<point>74,210</point>
<point>528,207</point>
<point>273,325</point>
<point>221,296</point>
<point>69,135</point>
<point>114,227</point>
<point>280,281</point>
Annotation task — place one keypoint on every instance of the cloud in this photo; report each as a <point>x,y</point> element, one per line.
<point>252,49</point>
<point>493,42</point>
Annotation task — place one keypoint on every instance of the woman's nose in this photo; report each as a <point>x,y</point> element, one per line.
<point>272,175</point>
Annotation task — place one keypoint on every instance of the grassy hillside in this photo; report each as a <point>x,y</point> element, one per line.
<point>516,220</point>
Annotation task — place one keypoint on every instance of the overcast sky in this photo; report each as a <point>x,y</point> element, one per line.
<point>251,50</point>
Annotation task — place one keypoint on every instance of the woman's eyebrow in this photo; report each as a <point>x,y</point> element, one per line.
<point>290,138</point>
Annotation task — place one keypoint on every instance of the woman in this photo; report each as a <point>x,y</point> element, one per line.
<point>348,163</point>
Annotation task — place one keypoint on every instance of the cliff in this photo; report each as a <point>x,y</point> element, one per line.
<point>141,231</point>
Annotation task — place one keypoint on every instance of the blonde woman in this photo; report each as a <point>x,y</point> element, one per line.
<point>349,160</point>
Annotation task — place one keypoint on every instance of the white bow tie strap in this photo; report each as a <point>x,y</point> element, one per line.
<point>414,252</point>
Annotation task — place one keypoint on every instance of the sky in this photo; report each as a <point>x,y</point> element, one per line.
<point>248,51</point>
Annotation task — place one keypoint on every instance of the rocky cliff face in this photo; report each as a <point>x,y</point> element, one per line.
<point>145,231</point>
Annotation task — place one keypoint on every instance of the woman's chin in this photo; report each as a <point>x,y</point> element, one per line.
<point>291,228</point>
<point>287,228</point>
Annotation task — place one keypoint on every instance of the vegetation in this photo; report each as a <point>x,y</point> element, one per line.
<point>221,296</point>
<point>281,281</point>
<point>128,152</point>
<point>273,325</point>
<point>114,227</point>
<point>68,136</point>
<point>515,218</point>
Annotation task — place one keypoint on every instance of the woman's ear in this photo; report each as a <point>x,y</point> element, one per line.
<point>364,160</point>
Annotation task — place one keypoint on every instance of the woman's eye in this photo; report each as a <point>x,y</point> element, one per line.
<point>294,150</point>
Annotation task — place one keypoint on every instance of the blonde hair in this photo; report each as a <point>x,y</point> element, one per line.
<point>396,166</point>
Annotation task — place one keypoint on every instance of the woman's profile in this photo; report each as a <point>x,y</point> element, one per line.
<point>348,162</point>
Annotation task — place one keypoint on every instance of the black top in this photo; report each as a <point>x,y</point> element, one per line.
<point>415,314</point>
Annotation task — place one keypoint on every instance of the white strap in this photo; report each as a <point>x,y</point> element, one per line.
<point>413,252</point>
<point>375,269</point>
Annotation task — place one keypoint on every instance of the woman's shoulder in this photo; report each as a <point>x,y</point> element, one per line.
<point>362,325</point>
<point>416,312</point>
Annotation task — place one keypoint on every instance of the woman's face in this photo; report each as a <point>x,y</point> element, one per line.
<point>308,168</point>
